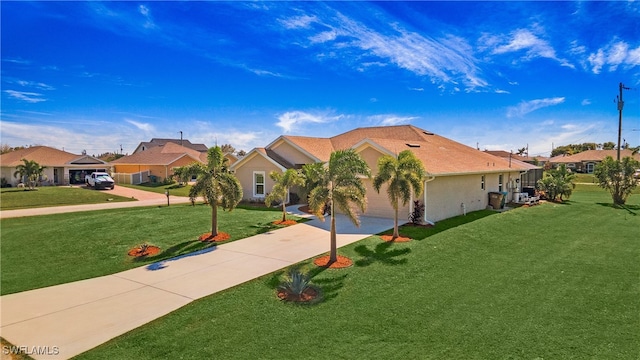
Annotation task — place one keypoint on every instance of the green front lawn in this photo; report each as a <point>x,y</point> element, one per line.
<point>54,249</point>
<point>18,198</point>
<point>554,281</point>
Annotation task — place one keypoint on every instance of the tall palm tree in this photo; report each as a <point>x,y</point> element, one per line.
<point>216,183</point>
<point>340,183</point>
<point>404,175</point>
<point>283,182</point>
<point>30,170</point>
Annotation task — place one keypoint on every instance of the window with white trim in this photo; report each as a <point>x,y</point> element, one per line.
<point>258,183</point>
<point>500,183</point>
<point>482,182</point>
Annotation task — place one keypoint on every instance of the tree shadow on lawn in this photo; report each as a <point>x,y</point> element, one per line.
<point>421,233</point>
<point>382,254</point>
<point>183,249</point>
<point>631,209</point>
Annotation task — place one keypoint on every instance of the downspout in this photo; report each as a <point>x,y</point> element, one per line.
<point>424,200</point>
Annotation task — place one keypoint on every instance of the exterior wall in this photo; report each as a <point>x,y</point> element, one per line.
<point>245,174</point>
<point>446,195</point>
<point>130,169</point>
<point>291,154</point>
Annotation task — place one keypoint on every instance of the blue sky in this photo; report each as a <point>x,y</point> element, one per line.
<point>95,76</point>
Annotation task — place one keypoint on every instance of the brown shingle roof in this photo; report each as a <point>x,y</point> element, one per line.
<point>160,155</point>
<point>438,154</point>
<point>43,155</point>
<point>160,142</point>
<point>593,155</point>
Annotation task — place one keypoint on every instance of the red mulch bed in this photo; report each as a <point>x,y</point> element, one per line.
<point>285,223</point>
<point>341,263</point>
<point>222,236</point>
<point>398,239</point>
<point>307,295</point>
<point>149,251</point>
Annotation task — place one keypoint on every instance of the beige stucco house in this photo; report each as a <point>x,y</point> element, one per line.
<point>61,167</point>
<point>586,161</point>
<point>157,162</point>
<point>459,177</point>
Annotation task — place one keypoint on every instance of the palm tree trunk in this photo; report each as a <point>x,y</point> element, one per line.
<point>284,211</point>
<point>333,256</point>
<point>395,223</point>
<point>214,219</point>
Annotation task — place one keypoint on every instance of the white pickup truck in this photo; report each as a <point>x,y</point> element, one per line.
<point>99,180</point>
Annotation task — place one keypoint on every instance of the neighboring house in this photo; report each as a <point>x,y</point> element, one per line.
<point>533,160</point>
<point>62,168</point>
<point>156,163</point>
<point>534,172</point>
<point>459,177</point>
<point>155,142</point>
<point>586,161</point>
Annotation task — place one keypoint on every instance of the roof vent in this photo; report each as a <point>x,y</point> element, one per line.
<point>413,145</point>
<point>428,133</point>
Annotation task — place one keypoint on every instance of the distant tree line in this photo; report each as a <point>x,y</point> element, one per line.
<point>572,149</point>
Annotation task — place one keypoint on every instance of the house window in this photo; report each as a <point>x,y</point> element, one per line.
<point>258,183</point>
<point>590,167</point>
<point>482,182</point>
<point>500,183</point>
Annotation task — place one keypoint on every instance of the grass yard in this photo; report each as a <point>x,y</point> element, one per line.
<point>54,249</point>
<point>14,198</point>
<point>554,281</point>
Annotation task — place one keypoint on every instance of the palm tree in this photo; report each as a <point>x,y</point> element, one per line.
<point>30,170</point>
<point>216,184</point>
<point>404,175</point>
<point>283,182</point>
<point>339,183</point>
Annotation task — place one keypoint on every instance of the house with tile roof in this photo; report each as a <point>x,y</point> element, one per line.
<point>533,160</point>
<point>586,161</point>
<point>459,177</point>
<point>61,167</point>
<point>156,162</point>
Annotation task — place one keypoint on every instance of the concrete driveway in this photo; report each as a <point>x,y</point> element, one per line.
<point>79,316</point>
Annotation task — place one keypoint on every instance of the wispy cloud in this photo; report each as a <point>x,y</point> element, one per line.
<point>585,102</point>
<point>518,41</point>
<point>33,84</point>
<point>388,119</point>
<point>447,59</point>
<point>30,97</point>
<point>146,127</point>
<point>526,107</point>
<point>148,20</point>
<point>614,55</point>
<point>291,119</point>
<point>298,22</point>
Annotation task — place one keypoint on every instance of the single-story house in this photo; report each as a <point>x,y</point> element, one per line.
<point>61,167</point>
<point>533,160</point>
<point>459,177</point>
<point>586,161</point>
<point>157,162</point>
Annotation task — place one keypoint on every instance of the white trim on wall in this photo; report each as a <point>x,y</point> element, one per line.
<point>256,184</point>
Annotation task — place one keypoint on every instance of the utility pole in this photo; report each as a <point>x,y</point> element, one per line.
<point>620,106</point>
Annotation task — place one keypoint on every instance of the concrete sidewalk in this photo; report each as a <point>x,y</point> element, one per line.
<point>79,316</point>
<point>145,198</point>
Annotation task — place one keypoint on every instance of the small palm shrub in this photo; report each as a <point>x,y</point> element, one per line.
<point>297,288</point>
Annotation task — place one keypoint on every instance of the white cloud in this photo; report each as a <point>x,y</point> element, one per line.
<point>289,120</point>
<point>416,89</point>
<point>447,59</point>
<point>526,107</point>
<point>30,97</point>
<point>500,91</point>
<point>615,54</point>
<point>387,120</point>
<point>298,22</point>
<point>521,40</point>
<point>146,127</point>
<point>33,84</point>
<point>585,102</point>
<point>148,23</point>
